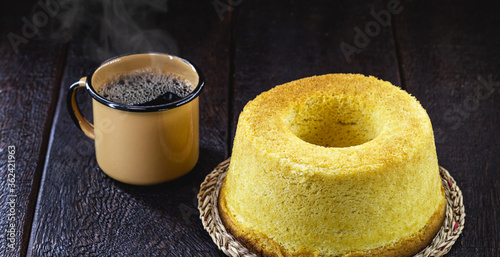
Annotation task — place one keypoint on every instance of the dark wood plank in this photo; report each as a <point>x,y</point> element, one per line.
<point>81,211</point>
<point>30,74</point>
<point>280,41</point>
<point>450,60</point>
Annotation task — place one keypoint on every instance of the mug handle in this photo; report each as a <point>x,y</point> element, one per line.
<point>80,121</point>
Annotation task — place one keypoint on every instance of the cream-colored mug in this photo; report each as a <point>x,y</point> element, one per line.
<point>142,145</point>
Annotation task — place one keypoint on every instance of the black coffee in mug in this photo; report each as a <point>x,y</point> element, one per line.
<point>145,88</point>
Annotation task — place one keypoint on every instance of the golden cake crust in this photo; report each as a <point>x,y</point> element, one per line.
<point>334,165</point>
<point>253,240</point>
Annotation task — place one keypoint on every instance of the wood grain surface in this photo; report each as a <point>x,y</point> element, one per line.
<point>29,87</point>
<point>444,53</point>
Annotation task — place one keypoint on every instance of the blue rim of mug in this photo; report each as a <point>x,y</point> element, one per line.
<point>149,108</point>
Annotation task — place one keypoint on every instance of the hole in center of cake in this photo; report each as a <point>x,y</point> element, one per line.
<point>334,122</point>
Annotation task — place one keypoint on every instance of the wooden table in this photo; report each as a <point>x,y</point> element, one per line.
<point>56,202</point>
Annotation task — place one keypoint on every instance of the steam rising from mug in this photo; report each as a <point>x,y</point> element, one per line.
<point>113,27</point>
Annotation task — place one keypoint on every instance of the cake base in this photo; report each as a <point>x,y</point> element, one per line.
<point>448,233</point>
<point>254,241</point>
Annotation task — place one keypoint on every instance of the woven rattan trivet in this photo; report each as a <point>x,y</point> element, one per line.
<point>209,215</point>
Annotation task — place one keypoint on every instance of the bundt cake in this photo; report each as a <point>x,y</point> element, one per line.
<point>333,165</point>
